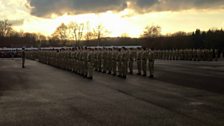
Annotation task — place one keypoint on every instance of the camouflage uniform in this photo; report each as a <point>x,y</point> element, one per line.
<point>151,63</point>
<point>109,61</point>
<point>104,61</point>
<point>119,63</point>
<point>23,58</point>
<point>100,61</point>
<point>90,60</point>
<point>139,61</point>
<point>114,61</point>
<point>131,60</point>
<point>124,64</point>
<point>144,62</point>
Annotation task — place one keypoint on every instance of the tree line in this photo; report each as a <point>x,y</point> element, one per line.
<point>82,34</point>
<point>211,39</point>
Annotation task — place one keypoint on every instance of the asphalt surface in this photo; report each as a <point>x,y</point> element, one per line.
<point>183,93</point>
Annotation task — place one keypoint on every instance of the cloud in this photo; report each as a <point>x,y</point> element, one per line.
<point>46,7</point>
<point>175,5</point>
<point>14,9</point>
<point>16,22</point>
<point>146,3</point>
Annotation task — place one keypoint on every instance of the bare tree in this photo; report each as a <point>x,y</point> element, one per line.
<point>70,30</point>
<point>61,32</point>
<point>152,31</point>
<point>89,34</point>
<point>5,28</point>
<point>124,35</point>
<point>99,32</point>
<point>41,37</point>
<point>76,31</point>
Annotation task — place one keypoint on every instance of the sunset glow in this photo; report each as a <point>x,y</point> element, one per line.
<point>129,21</point>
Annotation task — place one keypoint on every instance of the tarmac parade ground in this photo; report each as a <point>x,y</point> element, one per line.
<point>183,93</point>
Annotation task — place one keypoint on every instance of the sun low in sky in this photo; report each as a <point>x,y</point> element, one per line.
<point>119,17</point>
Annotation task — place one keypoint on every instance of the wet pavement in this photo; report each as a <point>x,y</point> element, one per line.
<point>183,93</point>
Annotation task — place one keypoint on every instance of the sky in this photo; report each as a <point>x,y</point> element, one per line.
<point>119,17</point>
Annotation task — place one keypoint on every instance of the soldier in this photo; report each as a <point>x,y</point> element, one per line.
<point>216,54</point>
<point>119,63</point>
<point>203,54</point>
<point>23,57</point>
<point>176,53</point>
<point>59,58</point>
<point>144,62</point>
<point>151,63</point>
<point>199,54</point>
<point>79,61</point>
<point>184,54</point>
<point>76,63</point>
<point>95,59</point>
<point>132,57</point>
<point>85,62</point>
<point>139,61</point>
<point>168,54</point>
<point>55,59</point>
<point>104,59</point>
<point>181,53</point>
<point>109,61</point>
<point>124,63</point>
<point>72,60</point>
<point>114,61</point>
<point>65,60</point>
<point>194,54</point>
<point>69,60</point>
<point>210,55</point>
<point>100,60</point>
<point>90,61</point>
<point>191,54</point>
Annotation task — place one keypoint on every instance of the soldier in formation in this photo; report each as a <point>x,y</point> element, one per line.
<point>23,57</point>
<point>83,61</point>
<point>145,62</point>
<point>78,60</point>
<point>116,61</point>
<point>187,54</point>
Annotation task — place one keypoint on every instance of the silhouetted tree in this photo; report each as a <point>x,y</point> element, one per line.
<point>78,31</point>
<point>100,31</point>
<point>179,33</point>
<point>5,28</point>
<point>152,31</point>
<point>124,35</point>
<point>61,32</point>
<point>89,34</point>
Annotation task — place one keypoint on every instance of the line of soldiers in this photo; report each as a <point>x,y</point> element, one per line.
<point>114,61</point>
<point>187,54</point>
<point>79,61</point>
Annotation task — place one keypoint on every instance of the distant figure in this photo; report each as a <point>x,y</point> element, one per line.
<point>23,58</point>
